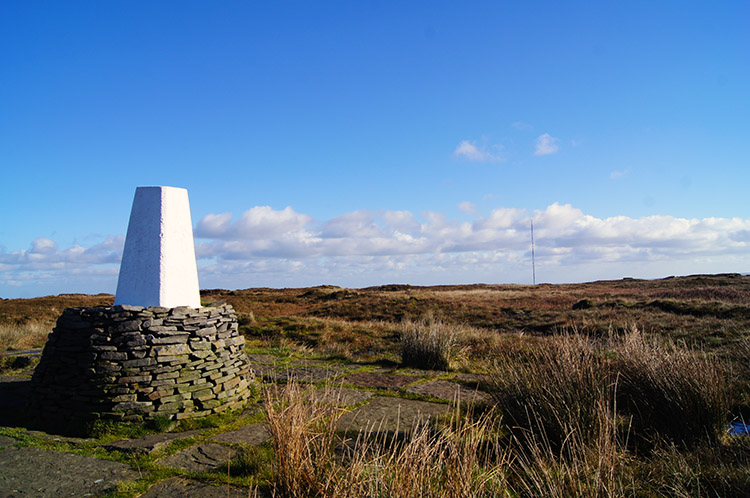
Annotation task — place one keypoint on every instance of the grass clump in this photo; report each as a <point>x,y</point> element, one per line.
<point>430,343</point>
<point>658,390</point>
<point>459,459</point>
<point>304,441</point>
<point>311,459</point>
<point>27,335</point>
<point>551,386</point>
<point>670,392</point>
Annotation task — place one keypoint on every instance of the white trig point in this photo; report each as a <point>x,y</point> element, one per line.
<point>158,263</point>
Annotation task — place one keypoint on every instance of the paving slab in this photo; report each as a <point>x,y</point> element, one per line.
<point>200,458</point>
<point>253,434</point>
<point>178,487</point>
<point>42,473</point>
<point>303,374</point>
<point>422,373</point>
<point>302,362</point>
<point>263,358</point>
<point>262,370</point>
<point>386,414</point>
<point>471,380</point>
<point>148,444</point>
<point>340,396</point>
<point>450,391</point>
<point>380,380</point>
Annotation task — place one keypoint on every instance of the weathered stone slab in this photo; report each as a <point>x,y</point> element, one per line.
<point>147,444</point>
<point>253,434</point>
<point>340,396</point>
<point>177,487</point>
<point>305,363</point>
<point>447,390</point>
<point>262,370</point>
<point>302,374</point>
<point>263,358</point>
<point>385,414</point>
<point>200,458</point>
<point>39,472</point>
<point>380,380</point>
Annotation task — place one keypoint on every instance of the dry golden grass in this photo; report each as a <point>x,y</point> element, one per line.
<point>311,460</point>
<point>24,336</point>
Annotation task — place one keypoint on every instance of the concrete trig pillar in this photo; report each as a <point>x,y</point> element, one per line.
<point>158,263</point>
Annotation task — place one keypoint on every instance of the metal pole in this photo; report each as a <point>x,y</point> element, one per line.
<point>533,262</point>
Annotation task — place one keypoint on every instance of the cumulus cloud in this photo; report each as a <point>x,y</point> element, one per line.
<point>287,248</point>
<point>478,153</point>
<point>257,222</point>
<point>45,268</point>
<point>546,144</point>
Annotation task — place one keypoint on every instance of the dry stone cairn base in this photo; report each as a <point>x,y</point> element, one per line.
<point>130,362</point>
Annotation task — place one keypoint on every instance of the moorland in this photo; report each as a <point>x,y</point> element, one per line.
<point>608,388</point>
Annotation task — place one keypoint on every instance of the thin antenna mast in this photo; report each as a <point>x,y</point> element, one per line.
<point>533,262</point>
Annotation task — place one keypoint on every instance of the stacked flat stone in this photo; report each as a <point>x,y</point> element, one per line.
<point>129,362</point>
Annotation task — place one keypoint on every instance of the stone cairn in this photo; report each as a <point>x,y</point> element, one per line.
<point>133,363</point>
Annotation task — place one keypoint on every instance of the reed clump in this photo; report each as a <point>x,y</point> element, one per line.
<point>430,342</point>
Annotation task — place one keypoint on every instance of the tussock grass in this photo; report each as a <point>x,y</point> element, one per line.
<point>670,392</point>
<point>661,390</point>
<point>24,335</point>
<point>551,386</point>
<point>591,462</point>
<point>430,343</point>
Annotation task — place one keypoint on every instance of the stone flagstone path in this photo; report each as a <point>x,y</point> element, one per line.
<point>374,397</point>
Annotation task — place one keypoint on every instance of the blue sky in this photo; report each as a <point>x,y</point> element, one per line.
<point>364,143</point>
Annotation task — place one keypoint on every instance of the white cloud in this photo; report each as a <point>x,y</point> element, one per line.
<point>478,153</point>
<point>467,207</point>
<point>546,144</point>
<point>286,248</point>
<point>618,174</point>
<point>257,222</point>
<point>43,245</point>
<point>353,224</point>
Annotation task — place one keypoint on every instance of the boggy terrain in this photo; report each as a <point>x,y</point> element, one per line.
<point>612,388</point>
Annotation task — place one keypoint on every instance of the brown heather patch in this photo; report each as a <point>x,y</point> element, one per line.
<point>48,308</point>
<point>703,310</point>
